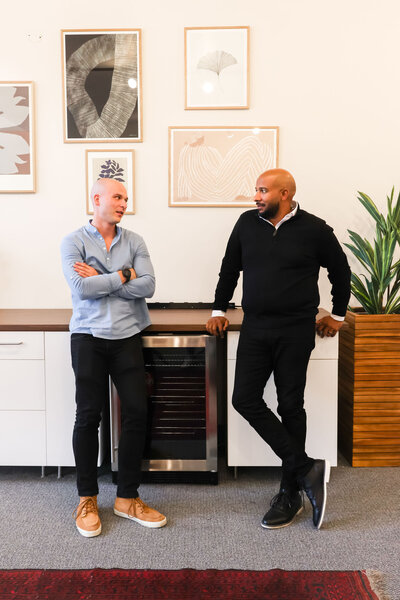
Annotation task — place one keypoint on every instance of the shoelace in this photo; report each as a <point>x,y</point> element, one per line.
<point>282,499</point>
<point>84,508</point>
<point>141,505</point>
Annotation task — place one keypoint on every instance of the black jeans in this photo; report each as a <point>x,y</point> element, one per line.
<point>285,352</point>
<point>94,360</point>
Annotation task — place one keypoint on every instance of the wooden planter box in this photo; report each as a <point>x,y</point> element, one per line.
<point>369,390</point>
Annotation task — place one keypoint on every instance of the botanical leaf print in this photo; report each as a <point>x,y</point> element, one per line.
<point>216,61</point>
<point>112,170</point>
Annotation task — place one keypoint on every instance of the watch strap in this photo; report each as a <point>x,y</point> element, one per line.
<point>127,274</point>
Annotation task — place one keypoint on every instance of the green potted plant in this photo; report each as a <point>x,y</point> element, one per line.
<point>379,293</point>
<point>369,346</point>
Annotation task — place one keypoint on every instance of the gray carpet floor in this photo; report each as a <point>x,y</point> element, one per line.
<point>208,526</point>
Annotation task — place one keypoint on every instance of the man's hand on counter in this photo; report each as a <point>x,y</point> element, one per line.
<point>327,326</point>
<point>217,325</point>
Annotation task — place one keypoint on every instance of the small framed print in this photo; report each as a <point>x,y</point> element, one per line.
<point>216,67</point>
<point>111,164</point>
<point>17,142</point>
<point>218,166</point>
<point>102,77</point>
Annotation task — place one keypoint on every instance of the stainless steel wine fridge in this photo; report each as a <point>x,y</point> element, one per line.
<point>181,442</point>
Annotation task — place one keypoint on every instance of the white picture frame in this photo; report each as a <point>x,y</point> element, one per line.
<point>217,67</point>
<point>113,164</point>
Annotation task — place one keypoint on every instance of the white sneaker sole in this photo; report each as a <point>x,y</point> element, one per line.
<point>326,480</point>
<point>151,524</point>
<point>284,524</point>
<point>89,534</point>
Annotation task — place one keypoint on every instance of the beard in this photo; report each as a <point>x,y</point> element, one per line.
<point>270,211</point>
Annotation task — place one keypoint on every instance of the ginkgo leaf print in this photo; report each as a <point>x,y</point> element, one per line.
<point>216,61</point>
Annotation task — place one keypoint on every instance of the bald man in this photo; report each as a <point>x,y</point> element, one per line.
<point>110,274</point>
<point>280,249</point>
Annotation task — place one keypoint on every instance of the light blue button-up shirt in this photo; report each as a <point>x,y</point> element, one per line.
<point>103,306</point>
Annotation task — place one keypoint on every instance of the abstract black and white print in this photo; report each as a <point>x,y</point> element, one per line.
<point>102,85</point>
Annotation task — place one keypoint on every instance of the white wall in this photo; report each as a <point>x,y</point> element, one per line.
<point>325,72</point>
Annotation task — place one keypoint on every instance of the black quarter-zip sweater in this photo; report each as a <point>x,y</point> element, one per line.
<point>281,267</point>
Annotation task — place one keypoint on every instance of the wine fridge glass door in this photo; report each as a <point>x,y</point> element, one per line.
<point>182,404</point>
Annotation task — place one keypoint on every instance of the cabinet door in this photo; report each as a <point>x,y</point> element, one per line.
<point>22,399</point>
<point>246,448</point>
<point>22,385</point>
<point>22,438</point>
<point>21,345</point>
<point>60,399</point>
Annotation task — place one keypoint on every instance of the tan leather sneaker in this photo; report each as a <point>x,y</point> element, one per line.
<point>136,510</point>
<point>87,517</point>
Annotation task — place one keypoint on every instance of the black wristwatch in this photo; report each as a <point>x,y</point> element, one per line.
<point>127,274</point>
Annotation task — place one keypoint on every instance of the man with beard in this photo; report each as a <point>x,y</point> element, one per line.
<point>280,249</point>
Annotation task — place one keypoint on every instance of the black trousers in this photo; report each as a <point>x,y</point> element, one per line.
<point>94,360</point>
<point>285,352</point>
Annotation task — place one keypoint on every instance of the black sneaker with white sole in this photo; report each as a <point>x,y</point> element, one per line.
<point>314,485</point>
<point>284,507</point>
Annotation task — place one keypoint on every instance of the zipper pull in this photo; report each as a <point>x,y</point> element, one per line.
<point>275,232</point>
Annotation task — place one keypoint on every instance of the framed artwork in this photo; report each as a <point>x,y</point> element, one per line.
<point>17,141</point>
<point>111,164</point>
<point>102,77</point>
<point>216,67</point>
<point>218,166</point>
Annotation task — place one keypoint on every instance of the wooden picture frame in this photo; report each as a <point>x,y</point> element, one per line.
<point>113,164</point>
<point>102,85</point>
<point>17,138</point>
<point>218,166</point>
<point>217,67</point>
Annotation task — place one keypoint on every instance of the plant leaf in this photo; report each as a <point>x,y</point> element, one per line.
<point>377,259</point>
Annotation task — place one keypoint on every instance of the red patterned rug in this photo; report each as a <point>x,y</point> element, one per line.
<point>185,584</point>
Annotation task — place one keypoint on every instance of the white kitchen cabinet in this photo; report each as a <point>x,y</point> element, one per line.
<point>60,399</point>
<point>22,438</point>
<point>245,446</point>
<point>22,385</point>
<point>21,345</point>
<point>37,399</point>
<point>22,398</point>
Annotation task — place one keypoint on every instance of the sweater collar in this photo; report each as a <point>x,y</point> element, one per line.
<point>290,215</point>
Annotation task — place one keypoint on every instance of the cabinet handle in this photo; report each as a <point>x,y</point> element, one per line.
<point>11,343</point>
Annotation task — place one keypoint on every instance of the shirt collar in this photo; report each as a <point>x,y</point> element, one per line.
<point>285,218</point>
<point>92,229</point>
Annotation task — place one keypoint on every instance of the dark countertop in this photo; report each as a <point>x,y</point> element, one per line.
<point>57,319</point>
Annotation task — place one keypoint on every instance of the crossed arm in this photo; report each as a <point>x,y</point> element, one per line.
<point>88,283</point>
<point>85,270</point>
